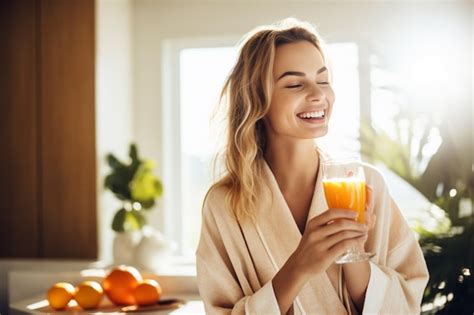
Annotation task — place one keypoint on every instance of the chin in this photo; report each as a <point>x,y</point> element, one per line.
<point>319,133</point>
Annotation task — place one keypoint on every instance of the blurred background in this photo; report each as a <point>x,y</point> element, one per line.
<point>83,80</point>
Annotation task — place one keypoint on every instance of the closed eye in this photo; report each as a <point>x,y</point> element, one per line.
<point>323,82</point>
<point>294,86</point>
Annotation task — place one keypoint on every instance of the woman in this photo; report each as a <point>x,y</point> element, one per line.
<point>266,246</point>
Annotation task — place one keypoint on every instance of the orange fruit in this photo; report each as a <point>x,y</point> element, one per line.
<point>120,283</point>
<point>147,292</point>
<point>60,294</point>
<point>89,294</point>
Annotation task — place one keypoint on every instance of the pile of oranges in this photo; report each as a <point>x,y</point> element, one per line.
<point>124,285</point>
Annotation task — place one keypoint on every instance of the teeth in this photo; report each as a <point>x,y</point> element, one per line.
<point>317,114</point>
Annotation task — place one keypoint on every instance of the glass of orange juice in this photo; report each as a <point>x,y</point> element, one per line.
<point>344,188</point>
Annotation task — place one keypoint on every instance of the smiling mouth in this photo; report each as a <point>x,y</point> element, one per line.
<point>314,115</point>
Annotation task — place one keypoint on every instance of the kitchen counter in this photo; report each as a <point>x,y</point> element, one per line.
<point>27,282</point>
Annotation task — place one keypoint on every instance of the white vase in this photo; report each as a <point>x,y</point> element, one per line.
<point>153,252</point>
<point>124,247</point>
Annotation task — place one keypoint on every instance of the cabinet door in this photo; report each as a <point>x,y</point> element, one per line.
<point>19,194</point>
<point>47,161</point>
<point>67,127</point>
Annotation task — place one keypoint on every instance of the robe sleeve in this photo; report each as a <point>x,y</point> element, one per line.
<point>396,285</point>
<point>219,287</point>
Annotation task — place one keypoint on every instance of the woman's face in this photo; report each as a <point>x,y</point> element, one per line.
<point>302,96</point>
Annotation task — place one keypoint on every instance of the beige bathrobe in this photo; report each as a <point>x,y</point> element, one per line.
<point>236,261</point>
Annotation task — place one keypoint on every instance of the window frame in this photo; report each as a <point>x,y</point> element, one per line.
<point>171,129</point>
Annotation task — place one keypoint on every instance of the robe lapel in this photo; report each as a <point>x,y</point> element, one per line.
<point>280,235</point>
<point>276,221</point>
<point>318,203</point>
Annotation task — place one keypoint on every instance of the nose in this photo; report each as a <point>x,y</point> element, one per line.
<point>315,94</point>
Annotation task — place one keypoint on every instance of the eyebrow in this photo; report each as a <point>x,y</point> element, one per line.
<point>300,74</point>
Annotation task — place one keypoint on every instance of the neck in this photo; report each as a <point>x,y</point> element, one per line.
<point>293,163</point>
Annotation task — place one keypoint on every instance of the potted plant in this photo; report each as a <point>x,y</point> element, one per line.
<point>133,183</point>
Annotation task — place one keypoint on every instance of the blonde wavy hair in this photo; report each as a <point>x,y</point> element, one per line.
<point>247,93</point>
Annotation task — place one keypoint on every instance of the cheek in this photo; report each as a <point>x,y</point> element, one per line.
<point>281,106</point>
<point>281,114</point>
<point>278,105</point>
<point>330,95</point>
<point>277,113</point>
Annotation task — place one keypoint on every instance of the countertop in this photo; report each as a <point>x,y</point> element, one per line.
<point>28,280</point>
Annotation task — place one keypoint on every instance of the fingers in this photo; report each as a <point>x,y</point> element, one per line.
<point>342,225</point>
<point>342,237</point>
<point>370,219</point>
<point>368,189</point>
<point>373,218</point>
<point>368,197</point>
<point>331,215</point>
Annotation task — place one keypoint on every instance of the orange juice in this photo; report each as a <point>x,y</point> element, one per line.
<point>346,193</point>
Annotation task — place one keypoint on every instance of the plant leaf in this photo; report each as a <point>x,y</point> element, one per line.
<point>135,219</point>
<point>133,152</point>
<point>118,222</point>
<point>147,204</point>
<point>113,161</point>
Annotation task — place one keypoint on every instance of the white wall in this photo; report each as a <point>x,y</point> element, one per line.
<point>398,33</point>
<point>114,103</point>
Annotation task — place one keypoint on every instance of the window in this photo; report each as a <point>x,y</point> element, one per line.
<point>202,75</point>
<point>195,75</point>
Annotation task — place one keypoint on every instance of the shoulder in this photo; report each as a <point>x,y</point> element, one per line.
<point>214,203</point>
<point>215,195</point>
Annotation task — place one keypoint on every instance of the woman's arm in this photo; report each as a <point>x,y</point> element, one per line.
<point>218,280</point>
<point>287,283</point>
<point>356,277</point>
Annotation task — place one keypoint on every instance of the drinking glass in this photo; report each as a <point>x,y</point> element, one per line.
<point>344,188</point>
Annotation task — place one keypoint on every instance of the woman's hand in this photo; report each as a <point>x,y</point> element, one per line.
<point>325,238</point>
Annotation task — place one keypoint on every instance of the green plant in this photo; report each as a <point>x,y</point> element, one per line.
<point>445,180</point>
<point>135,184</point>
<point>449,257</point>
